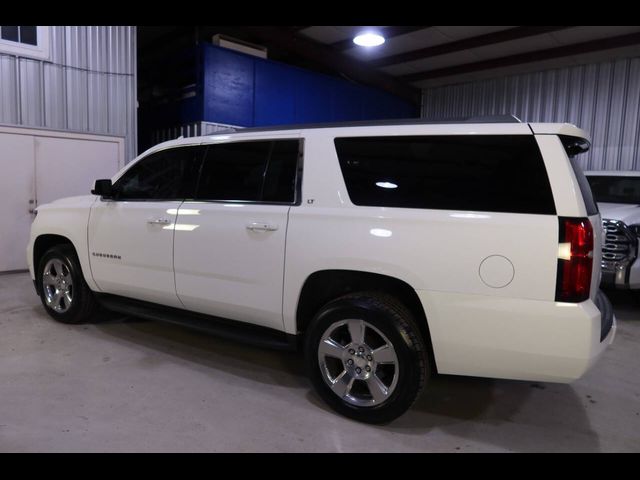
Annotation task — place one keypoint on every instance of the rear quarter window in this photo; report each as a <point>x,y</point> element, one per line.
<point>575,146</point>
<point>587,195</point>
<point>493,173</point>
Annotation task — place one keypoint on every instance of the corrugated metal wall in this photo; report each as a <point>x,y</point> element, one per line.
<point>602,98</point>
<point>87,85</point>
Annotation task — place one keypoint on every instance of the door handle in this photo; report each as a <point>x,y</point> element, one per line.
<point>158,221</point>
<point>261,227</point>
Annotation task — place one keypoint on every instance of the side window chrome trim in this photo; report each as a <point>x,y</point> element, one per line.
<point>297,193</point>
<point>298,178</point>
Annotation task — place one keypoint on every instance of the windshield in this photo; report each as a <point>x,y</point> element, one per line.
<point>615,189</point>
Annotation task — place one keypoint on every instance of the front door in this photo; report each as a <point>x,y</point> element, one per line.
<point>131,235</point>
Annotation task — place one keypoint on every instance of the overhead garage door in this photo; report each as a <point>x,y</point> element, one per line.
<point>39,166</point>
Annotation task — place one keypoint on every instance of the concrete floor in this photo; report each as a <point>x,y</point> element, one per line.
<point>130,385</point>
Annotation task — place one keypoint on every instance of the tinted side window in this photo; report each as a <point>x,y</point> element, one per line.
<point>494,173</point>
<point>233,171</point>
<point>166,175</point>
<point>282,168</point>
<point>250,171</point>
<point>587,195</point>
<point>575,146</point>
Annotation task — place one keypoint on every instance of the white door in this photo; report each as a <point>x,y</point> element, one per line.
<point>131,235</point>
<point>68,166</point>
<point>39,166</point>
<point>230,242</point>
<point>229,260</point>
<point>130,246</point>
<point>17,198</point>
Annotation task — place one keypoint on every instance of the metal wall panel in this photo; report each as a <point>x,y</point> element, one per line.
<point>76,47</point>
<point>77,100</point>
<point>117,91</point>
<point>31,92</point>
<point>57,45</point>
<point>8,90</point>
<point>55,97</point>
<point>98,102</point>
<point>602,98</point>
<point>88,84</point>
<point>97,48</point>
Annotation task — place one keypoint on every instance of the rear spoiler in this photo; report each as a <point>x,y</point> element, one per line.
<point>574,139</point>
<point>574,145</point>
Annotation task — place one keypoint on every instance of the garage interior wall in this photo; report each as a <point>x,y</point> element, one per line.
<point>601,98</point>
<point>87,84</point>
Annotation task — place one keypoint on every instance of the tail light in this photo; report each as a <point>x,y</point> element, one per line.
<point>575,260</point>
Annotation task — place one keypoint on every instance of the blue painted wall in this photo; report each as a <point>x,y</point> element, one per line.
<point>243,90</point>
<point>237,89</point>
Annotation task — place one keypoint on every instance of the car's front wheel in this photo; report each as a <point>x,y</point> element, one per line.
<point>365,357</point>
<point>64,293</point>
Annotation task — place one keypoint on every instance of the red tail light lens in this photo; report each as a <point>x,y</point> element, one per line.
<point>575,260</point>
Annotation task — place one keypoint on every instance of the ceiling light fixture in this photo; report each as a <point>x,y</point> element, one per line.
<point>369,39</point>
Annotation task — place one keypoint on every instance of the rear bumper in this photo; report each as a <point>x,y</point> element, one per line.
<point>517,338</point>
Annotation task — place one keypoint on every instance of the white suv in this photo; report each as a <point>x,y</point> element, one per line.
<point>387,252</point>
<point>618,197</point>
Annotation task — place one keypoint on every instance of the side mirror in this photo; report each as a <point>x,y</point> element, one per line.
<point>103,188</point>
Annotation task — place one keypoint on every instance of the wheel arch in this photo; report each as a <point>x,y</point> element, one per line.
<point>323,286</point>
<point>42,244</point>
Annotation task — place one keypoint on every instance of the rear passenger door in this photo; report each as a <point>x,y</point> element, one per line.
<point>230,238</point>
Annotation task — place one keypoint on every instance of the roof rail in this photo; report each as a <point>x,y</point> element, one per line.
<point>493,119</point>
<point>227,130</point>
<point>375,123</point>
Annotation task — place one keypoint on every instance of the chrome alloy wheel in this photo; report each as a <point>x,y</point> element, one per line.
<point>358,363</point>
<point>57,286</point>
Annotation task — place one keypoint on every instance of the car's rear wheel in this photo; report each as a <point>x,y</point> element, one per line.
<point>365,357</point>
<point>63,291</point>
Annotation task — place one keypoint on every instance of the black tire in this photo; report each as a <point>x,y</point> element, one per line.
<point>83,305</point>
<point>391,318</point>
